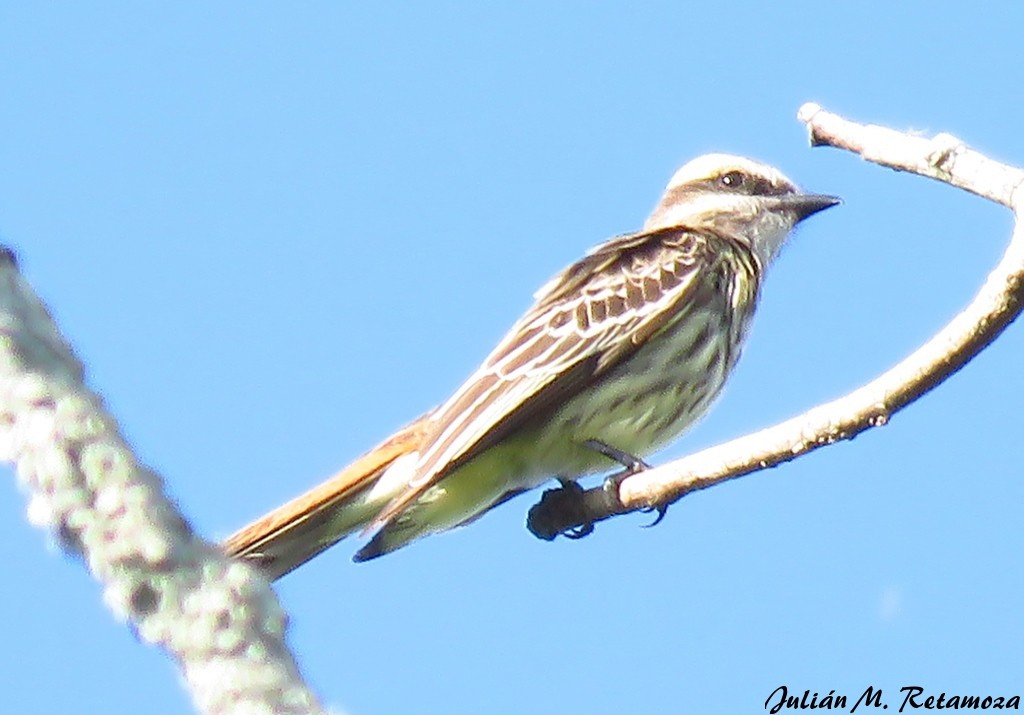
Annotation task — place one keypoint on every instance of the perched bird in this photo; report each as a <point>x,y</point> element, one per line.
<point>621,352</point>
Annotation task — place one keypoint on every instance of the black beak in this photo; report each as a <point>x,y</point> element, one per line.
<point>804,205</point>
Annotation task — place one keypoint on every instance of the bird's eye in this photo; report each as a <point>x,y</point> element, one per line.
<point>732,180</point>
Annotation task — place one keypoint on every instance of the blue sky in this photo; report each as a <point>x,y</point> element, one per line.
<point>274,234</point>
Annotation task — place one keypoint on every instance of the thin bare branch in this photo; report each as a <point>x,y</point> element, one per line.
<point>998,302</point>
<point>217,617</point>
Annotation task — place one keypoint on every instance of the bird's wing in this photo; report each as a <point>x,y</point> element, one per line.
<point>589,318</point>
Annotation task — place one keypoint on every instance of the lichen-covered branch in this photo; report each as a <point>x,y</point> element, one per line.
<point>216,617</point>
<point>998,302</point>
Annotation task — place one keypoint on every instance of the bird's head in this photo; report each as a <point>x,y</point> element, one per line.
<point>739,197</point>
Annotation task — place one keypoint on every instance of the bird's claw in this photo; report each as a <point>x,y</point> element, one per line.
<point>566,505</point>
<point>631,465</point>
<point>662,510</point>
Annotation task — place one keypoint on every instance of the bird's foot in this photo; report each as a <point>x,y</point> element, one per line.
<point>631,465</point>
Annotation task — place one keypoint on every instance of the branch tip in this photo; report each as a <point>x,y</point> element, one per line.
<point>7,255</point>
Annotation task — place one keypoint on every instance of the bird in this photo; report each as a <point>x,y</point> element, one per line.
<point>619,354</point>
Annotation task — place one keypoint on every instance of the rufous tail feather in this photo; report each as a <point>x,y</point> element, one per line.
<point>292,534</point>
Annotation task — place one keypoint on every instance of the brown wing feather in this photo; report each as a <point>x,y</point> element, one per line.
<point>591,317</point>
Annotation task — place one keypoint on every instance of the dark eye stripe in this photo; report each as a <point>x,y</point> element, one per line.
<point>741,182</point>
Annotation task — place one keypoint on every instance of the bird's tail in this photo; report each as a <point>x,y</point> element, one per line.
<point>292,534</point>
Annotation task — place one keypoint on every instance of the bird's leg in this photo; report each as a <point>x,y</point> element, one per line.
<point>568,503</point>
<point>631,465</point>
